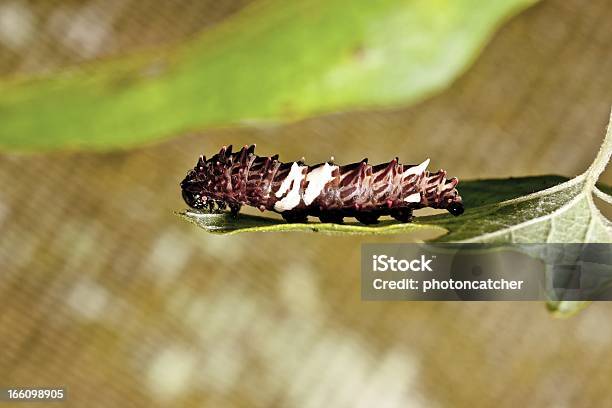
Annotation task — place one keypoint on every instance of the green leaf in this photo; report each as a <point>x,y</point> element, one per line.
<point>274,60</point>
<point>226,224</point>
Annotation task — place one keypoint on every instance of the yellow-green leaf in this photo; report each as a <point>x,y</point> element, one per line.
<point>274,60</point>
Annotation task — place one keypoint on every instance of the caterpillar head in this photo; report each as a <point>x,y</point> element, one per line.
<point>194,185</point>
<point>206,183</point>
<point>192,191</point>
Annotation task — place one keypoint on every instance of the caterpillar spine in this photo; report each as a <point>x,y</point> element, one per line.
<point>326,190</point>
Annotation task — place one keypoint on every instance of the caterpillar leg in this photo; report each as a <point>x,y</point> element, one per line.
<point>367,218</point>
<point>402,214</point>
<point>234,209</point>
<point>295,216</point>
<point>332,218</point>
<point>214,206</point>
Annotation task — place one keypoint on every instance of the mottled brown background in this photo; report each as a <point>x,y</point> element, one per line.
<point>104,291</point>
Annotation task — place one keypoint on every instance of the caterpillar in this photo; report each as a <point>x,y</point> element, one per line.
<point>325,190</point>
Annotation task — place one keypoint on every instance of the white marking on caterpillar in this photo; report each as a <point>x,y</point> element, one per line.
<point>286,184</point>
<point>317,179</point>
<point>293,181</point>
<point>413,198</point>
<point>416,169</point>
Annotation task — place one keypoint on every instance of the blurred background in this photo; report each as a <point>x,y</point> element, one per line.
<point>104,291</point>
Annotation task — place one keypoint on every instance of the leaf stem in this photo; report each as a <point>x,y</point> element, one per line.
<point>601,161</point>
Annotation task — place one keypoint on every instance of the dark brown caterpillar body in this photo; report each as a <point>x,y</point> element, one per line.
<point>325,190</point>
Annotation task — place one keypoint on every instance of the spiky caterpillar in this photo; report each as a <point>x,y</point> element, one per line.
<point>325,190</point>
